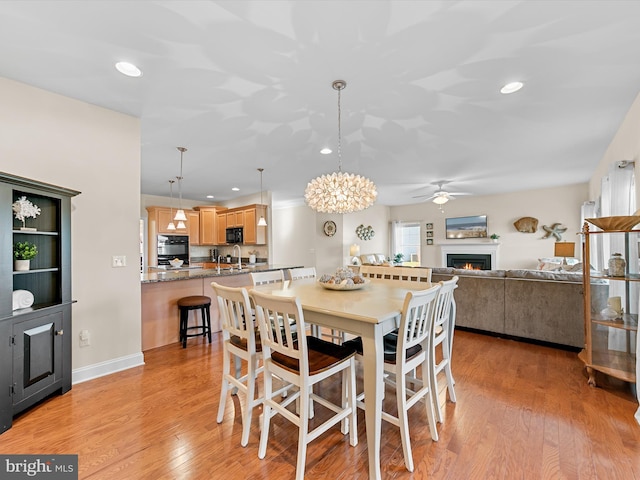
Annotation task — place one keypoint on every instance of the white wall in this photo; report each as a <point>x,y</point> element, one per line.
<point>624,146</point>
<point>517,250</point>
<point>66,142</point>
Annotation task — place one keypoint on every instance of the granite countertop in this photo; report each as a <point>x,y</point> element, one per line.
<point>153,275</point>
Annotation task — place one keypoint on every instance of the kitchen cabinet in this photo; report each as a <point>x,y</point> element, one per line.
<point>36,348</point>
<point>221,228</point>
<point>610,336</point>
<point>193,227</point>
<point>235,219</point>
<point>162,216</point>
<point>209,218</point>
<point>254,234</point>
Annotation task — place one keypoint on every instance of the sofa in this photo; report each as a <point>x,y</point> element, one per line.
<point>536,305</point>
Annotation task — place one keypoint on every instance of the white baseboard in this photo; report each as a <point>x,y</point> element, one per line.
<point>97,370</point>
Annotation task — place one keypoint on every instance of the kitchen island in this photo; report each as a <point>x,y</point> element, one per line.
<point>161,290</point>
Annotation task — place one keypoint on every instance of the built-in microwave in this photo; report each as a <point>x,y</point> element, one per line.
<point>234,235</point>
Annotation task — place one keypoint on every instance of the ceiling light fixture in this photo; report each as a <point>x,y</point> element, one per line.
<point>262,222</point>
<point>171,225</point>
<point>340,192</point>
<point>180,216</point>
<point>511,87</point>
<point>440,199</point>
<point>326,151</point>
<point>128,69</point>
<point>235,189</point>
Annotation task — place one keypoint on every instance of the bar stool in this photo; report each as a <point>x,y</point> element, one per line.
<point>194,302</point>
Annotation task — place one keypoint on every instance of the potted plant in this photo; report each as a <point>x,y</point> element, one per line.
<point>495,237</point>
<point>23,252</point>
<point>398,257</point>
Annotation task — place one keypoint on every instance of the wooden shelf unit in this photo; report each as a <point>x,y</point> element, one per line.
<point>610,344</point>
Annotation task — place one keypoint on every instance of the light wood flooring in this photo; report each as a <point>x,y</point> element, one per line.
<point>523,412</point>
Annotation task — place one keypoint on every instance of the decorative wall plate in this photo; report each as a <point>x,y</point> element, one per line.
<point>329,228</point>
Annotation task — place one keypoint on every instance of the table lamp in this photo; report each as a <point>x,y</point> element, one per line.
<point>354,252</point>
<point>564,250</point>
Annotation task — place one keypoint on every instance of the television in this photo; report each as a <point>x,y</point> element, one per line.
<point>466,227</point>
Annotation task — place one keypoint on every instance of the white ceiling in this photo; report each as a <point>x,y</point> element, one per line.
<point>247,84</point>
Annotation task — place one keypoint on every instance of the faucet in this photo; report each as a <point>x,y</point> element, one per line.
<point>219,257</point>
<point>239,255</point>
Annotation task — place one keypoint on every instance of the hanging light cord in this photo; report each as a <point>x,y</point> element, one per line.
<point>171,203</point>
<point>339,88</point>
<point>182,150</point>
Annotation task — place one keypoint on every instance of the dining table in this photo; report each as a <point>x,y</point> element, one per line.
<point>369,312</point>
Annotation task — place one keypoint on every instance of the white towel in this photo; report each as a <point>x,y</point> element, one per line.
<point>22,299</point>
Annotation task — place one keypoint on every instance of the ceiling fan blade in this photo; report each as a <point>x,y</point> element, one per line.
<point>425,195</point>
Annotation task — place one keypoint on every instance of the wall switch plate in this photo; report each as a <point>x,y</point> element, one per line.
<point>119,261</point>
<point>85,338</point>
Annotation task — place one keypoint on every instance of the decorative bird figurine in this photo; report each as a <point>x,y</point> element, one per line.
<point>556,230</point>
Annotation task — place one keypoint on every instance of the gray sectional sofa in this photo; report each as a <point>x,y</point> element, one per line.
<point>529,304</point>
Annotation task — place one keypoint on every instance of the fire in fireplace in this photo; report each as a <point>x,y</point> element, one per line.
<point>468,261</point>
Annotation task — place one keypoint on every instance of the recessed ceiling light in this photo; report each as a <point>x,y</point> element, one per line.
<point>326,151</point>
<point>511,87</point>
<point>235,189</point>
<point>210,196</point>
<point>128,69</point>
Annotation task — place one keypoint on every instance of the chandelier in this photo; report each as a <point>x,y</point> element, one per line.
<point>340,192</point>
<point>180,215</point>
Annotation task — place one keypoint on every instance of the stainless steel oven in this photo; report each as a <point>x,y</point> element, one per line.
<point>173,246</point>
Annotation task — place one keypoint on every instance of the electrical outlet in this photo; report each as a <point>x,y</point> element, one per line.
<point>119,261</point>
<point>85,338</point>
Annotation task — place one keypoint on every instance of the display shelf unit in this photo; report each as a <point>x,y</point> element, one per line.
<point>610,343</point>
<point>35,342</point>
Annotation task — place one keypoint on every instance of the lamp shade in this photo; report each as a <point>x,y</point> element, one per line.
<point>564,249</point>
<point>354,250</point>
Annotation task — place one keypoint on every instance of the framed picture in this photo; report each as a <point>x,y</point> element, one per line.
<point>429,241</point>
<point>429,234</point>
<point>466,227</point>
<point>429,226</point>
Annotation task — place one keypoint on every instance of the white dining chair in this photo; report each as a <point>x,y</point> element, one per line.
<point>302,272</point>
<point>302,363</point>
<point>443,338</point>
<point>271,276</point>
<point>405,350</point>
<point>415,274</point>
<point>239,344</point>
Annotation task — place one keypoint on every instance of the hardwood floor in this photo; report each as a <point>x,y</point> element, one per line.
<point>523,412</point>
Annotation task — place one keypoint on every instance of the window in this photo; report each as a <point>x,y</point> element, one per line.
<point>406,240</point>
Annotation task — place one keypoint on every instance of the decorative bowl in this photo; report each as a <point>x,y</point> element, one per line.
<point>176,262</point>
<point>344,286</point>
<point>612,224</point>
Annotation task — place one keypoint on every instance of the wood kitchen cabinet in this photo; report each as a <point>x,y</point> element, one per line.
<point>221,228</point>
<point>235,219</point>
<point>193,227</point>
<point>161,217</point>
<point>35,352</point>
<point>253,234</point>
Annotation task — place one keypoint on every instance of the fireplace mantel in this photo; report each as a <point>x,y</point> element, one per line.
<point>470,248</point>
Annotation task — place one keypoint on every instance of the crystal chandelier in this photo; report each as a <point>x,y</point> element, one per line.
<point>180,216</point>
<point>340,192</point>
<point>262,222</point>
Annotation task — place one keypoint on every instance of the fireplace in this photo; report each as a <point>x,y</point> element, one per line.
<point>467,261</point>
<point>481,256</point>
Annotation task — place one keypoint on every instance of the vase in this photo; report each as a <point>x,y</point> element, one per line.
<point>617,265</point>
<point>21,265</point>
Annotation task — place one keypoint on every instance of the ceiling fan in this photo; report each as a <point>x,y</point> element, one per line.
<point>440,196</point>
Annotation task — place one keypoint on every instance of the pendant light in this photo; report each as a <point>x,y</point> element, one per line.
<point>262,222</point>
<point>171,225</point>
<point>180,216</point>
<point>340,192</point>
